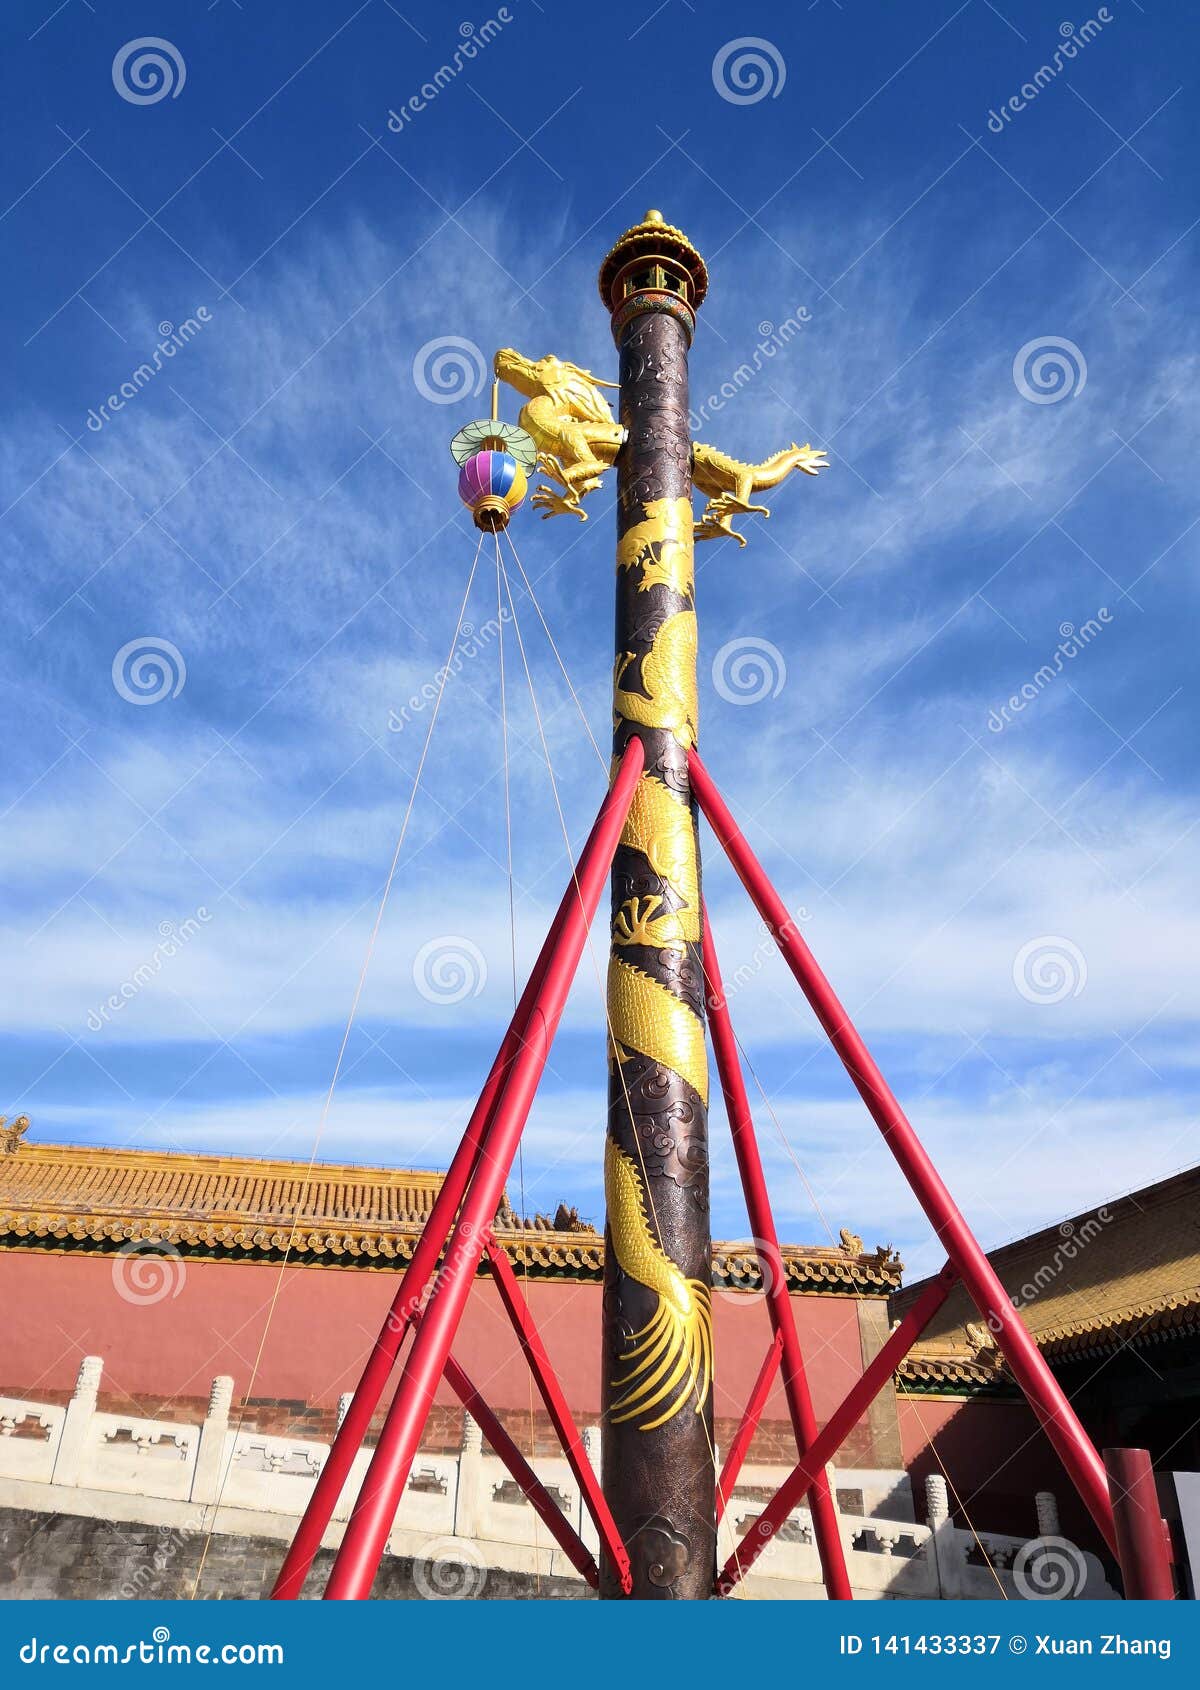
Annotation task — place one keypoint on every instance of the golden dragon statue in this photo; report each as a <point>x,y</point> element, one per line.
<point>578,438</point>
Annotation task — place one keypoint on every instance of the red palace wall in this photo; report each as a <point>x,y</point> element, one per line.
<point>318,1323</point>
<point>995,1457</point>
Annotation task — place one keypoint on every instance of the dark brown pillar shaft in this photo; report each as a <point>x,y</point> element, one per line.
<point>658,1462</point>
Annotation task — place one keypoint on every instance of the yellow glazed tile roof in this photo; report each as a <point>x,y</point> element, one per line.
<point>76,1197</point>
<point>1126,1271</point>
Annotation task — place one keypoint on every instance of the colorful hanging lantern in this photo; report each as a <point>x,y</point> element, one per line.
<point>492,485</point>
<point>494,460</point>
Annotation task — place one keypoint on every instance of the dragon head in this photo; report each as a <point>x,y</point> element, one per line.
<point>576,389</point>
<point>518,371</point>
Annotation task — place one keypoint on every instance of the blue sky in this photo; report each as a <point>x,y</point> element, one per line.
<point>990,328</point>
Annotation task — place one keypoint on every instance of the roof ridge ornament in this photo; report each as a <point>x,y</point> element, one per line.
<point>12,1134</point>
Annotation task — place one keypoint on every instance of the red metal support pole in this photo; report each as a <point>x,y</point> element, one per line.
<point>1141,1530</point>
<point>561,1417</point>
<point>330,1481</point>
<point>833,1434</point>
<point>770,1258</point>
<point>370,1387</point>
<point>539,1497</point>
<point>1059,1420</point>
<point>744,1436</point>
<point>358,1558</point>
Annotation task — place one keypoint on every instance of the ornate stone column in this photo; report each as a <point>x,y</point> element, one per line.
<point>658,1460</point>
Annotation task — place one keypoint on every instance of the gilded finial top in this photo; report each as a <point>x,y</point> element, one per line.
<point>654,237</point>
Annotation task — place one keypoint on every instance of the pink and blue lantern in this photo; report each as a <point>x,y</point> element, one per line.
<point>494,460</point>
<point>492,485</point>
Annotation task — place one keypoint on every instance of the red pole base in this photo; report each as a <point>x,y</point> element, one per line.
<point>1143,1547</point>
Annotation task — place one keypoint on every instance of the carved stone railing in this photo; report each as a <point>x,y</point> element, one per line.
<point>213,1477</point>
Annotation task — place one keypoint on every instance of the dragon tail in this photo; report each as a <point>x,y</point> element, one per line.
<point>670,1357</point>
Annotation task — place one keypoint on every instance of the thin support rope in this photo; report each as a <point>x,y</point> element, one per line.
<point>646,1183</point>
<point>512,946</point>
<point>779,1129</point>
<point>587,727</point>
<point>962,1505</point>
<point>337,1068</point>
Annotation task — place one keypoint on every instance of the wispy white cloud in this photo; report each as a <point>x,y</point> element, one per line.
<point>926,849</point>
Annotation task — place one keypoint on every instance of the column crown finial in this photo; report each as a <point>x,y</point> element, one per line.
<point>654,257</point>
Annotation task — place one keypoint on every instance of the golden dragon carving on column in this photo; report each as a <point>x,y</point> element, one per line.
<point>578,438</point>
<point>668,1364</point>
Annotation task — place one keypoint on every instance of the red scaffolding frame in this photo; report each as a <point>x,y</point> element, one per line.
<point>457,1239</point>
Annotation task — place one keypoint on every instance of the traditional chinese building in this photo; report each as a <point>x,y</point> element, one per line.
<point>1112,1297</point>
<point>176,1269</point>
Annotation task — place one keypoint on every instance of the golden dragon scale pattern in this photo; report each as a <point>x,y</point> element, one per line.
<point>668,1362</point>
